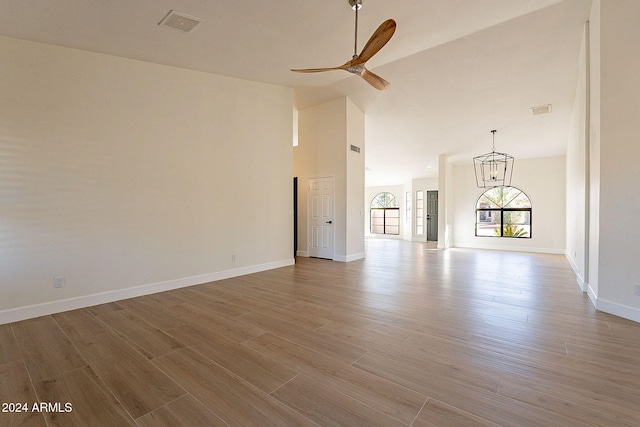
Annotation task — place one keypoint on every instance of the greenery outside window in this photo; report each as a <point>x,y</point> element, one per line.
<point>503,212</point>
<point>385,214</point>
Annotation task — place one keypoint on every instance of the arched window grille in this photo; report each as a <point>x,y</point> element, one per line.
<point>503,212</point>
<point>385,214</point>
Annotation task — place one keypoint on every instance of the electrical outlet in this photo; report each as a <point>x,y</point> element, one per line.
<point>58,282</point>
<point>637,290</point>
<point>233,257</point>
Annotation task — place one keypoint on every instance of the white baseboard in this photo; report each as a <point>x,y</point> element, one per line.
<point>592,295</point>
<point>349,258</point>
<point>581,283</point>
<point>616,309</point>
<point>43,309</point>
<point>339,258</point>
<point>619,310</point>
<point>384,236</point>
<point>512,249</point>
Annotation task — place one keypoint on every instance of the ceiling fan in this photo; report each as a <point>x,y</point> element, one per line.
<point>355,65</point>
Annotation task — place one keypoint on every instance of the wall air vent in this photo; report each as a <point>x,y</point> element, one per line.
<point>355,148</point>
<point>542,109</point>
<point>179,21</point>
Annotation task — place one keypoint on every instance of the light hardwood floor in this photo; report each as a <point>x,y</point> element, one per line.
<point>408,336</point>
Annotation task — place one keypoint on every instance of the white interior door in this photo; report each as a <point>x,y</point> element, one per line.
<point>321,217</point>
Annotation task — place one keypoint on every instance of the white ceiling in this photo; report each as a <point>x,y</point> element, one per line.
<point>457,68</point>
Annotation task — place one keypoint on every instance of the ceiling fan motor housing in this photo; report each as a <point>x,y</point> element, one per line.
<point>356,69</point>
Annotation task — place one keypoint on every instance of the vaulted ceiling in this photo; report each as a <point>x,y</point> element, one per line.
<point>457,68</point>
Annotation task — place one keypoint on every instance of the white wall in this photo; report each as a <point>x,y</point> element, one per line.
<point>321,141</point>
<point>355,182</point>
<point>577,176</point>
<point>619,202</point>
<point>543,180</point>
<point>593,245</point>
<point>445,202</point>
<point>325,133</point>
<point>127,177</point>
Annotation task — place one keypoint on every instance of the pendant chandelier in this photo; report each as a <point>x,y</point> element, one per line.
<point>493,169</point>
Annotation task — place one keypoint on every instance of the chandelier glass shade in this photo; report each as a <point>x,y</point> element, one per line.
<point>493,169</point>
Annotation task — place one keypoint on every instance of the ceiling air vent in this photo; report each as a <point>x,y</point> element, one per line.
<point>179,21</point>
<point>542,109</point>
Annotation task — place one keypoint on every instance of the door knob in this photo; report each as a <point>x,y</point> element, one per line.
<point>329,222</point>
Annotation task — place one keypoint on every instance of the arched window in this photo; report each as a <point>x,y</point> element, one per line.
<point>503,212</point>
<point>385,214</point>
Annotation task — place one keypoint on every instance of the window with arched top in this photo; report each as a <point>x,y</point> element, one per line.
<point>385,214</point>
<point>503,212</point>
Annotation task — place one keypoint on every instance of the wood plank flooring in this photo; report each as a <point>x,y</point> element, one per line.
<point>407,337</point>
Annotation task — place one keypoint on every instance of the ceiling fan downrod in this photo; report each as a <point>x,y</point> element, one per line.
<point>355,5</point>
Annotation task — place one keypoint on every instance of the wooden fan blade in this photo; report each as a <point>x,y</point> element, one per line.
<point>374,80</point>
<point>315,70</point>
<point>378,39</point>
<point>319,70</point>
